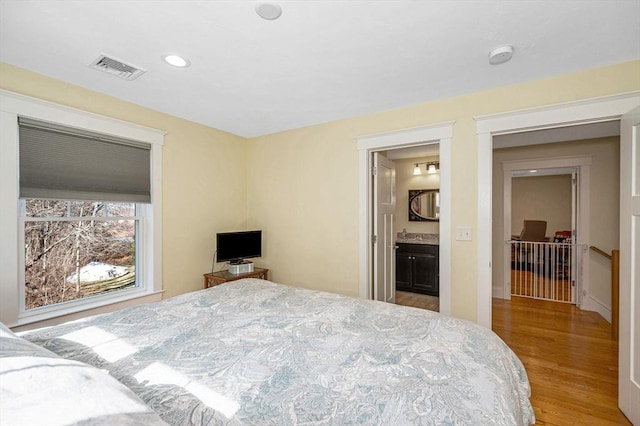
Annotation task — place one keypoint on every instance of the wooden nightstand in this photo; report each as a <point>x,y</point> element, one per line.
<point>213,279</point>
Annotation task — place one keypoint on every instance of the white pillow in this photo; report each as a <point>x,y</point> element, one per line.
<point>37,387</point>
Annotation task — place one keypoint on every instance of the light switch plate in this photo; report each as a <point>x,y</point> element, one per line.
<point>463,233</point>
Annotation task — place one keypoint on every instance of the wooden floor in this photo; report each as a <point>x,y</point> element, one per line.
<point>416,300</point>
<point>569,357</point>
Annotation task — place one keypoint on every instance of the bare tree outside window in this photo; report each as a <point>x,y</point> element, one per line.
<point>76,249</point>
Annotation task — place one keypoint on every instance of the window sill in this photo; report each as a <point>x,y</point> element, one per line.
<point>58,315</point>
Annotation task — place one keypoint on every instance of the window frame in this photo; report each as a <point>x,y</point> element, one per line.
<point>97,299</point>
<point>12,106</point>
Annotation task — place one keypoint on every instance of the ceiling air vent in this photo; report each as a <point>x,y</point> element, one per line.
<point>117,67</point>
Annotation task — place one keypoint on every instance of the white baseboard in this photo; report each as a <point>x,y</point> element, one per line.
<point>591,303</point>
<point>498,292</point>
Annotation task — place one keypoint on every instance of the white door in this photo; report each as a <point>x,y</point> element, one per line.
<point>629,348</point>
<point>384,207</point>
<point>576,282</point>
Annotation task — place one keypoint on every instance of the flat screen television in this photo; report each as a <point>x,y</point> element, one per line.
<point>234,247</point>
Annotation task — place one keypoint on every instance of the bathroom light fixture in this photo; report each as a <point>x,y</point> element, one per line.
<point>176,60</point>
<point>431,167</point>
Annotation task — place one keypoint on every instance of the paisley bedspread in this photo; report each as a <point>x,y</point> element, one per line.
<point>252,352</point>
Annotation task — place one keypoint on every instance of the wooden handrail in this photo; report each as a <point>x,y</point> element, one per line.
<point>599,251</point>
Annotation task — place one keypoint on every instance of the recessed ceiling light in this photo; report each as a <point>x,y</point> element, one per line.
<point>176,61</point>
<point>268,11</point>
<point>500,54</point>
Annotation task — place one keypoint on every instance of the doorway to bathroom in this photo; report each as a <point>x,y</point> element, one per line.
<point>368,145</point>
<point>417,225</point>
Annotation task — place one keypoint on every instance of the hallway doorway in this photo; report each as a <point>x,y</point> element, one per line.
<point>591,111</point>
<point>591,211</point>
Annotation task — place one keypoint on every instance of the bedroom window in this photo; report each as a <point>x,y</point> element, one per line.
<point>77,249</point>
<point>77,246</point>
<point>81,217</point>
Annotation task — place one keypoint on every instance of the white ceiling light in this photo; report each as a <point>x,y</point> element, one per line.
<point>268,11</point>
<point>176,61</point>
<point>500,54</point>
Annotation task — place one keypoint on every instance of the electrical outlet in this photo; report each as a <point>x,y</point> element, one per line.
<point>463,233</point>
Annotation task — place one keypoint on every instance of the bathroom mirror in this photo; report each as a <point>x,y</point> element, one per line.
<point>424,205</point>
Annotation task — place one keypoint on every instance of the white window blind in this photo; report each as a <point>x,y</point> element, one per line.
<point>59,162</point>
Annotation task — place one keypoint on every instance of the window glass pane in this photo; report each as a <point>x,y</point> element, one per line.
<point>86,208</point>
<point>120,209</point>
<point>67,260</point>
<point>46,208</point>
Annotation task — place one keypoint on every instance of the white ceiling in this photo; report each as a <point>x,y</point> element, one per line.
<point>321,61</point>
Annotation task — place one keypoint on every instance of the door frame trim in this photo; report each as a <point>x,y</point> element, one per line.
<point>367,144</point>
<point>582,165</point>
<point>585,111</point>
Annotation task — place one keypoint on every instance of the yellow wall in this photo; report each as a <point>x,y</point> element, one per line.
<point>204,183</point>
<point>303,194</point>
<point>303,184</point>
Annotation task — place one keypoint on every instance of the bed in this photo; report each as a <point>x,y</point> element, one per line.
<point>37,387</point>
<point>252,352</point>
